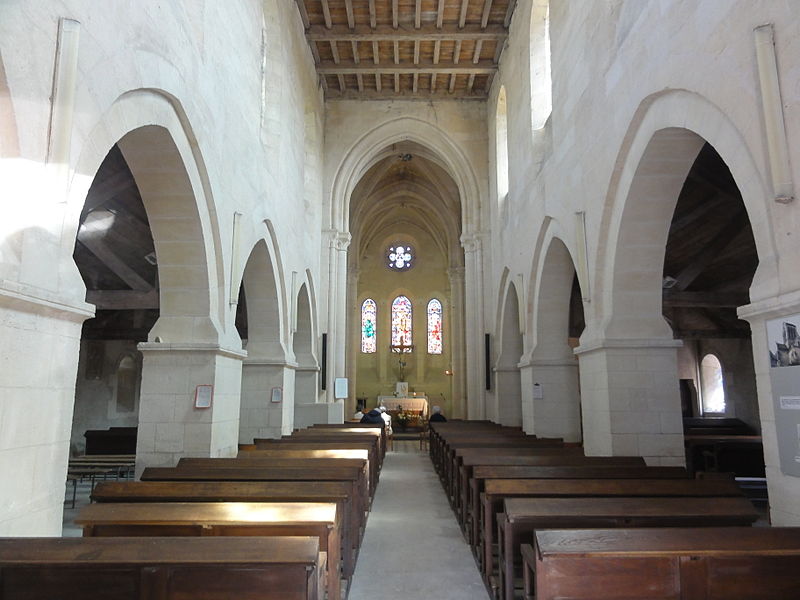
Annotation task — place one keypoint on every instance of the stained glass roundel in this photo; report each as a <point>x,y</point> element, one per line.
<point>400,257</point>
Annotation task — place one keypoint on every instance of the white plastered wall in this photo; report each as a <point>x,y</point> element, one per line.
<point>621,72</point>
<point>194,69</point>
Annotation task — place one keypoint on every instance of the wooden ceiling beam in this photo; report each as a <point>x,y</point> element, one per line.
<point>462,18</point>
<point>373,18</point>
<point>418,14</point>
<point>109,258</point>
<point>326,13</point>
<point>700,334</point>
<point>395,16</point>
<point>403,95</point>
<point>678,299</point>
<point>426,32</point>
<point>482,68</point>
<point>104,190</point>
<point>351,20</point>
<point>440,14</point>
<point>123,299</point>
<point>709,253</point>
<point>487,9</point>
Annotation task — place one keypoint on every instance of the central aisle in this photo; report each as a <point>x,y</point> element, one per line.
<point>413,548</point>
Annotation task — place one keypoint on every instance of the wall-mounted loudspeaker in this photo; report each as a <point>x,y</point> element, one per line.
<point>323,369</point>
<point>487,360</point>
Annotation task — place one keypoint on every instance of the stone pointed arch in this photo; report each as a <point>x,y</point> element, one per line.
<point>306,379</point>
<point>152,131</point>
<point>268,365</point>
<point>370,148</point>
<point>508,388</point>
<point>550,363</point>
<point>663,140</point>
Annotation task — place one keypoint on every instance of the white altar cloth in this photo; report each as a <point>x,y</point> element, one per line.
<point>409,403</point>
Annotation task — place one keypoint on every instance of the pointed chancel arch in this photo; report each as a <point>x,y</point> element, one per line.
<point>445,196</point>
<point>507,373</point>
<point>407,198</point>
<point>265,367</point>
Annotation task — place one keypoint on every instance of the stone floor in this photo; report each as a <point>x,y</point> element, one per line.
<point>413,548</point>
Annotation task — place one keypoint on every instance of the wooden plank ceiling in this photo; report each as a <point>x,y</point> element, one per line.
<point>406,49</point>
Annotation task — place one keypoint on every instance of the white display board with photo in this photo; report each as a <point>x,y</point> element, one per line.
<point>783,340</point>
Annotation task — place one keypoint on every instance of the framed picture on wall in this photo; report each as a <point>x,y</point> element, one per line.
<point>277,395</point>
<point>783,341</point>
<point>203,396</point>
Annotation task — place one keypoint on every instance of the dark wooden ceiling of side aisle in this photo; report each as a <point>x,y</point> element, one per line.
<point>406,49</point>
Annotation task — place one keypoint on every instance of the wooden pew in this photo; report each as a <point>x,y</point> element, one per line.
<point>328,444</point>
<point>448,460</point>
<point>439,432</point>
<point>350,475</point>
<point>276,519</point>
<point>663,564</point>
<point>345,434</point>
<point>247,491</point>
<point>380,428</point>
<point>147,568</point>
<point>523,516</point>
<point>257,462</point>
<point>497,490</point>
<point>453,483</point>
<point>567,460</point>
<point>482,473</point>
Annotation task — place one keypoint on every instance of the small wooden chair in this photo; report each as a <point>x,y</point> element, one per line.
<point>424,434</point>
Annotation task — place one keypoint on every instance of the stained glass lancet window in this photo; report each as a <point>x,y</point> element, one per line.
<point>369,312</point>
<point>434,327</point>
<point>401,324</point>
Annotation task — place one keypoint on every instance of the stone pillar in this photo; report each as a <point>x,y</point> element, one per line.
<point>337,307</point>
<point>353,308</point>
<point>557,413</point>
<point>630,399</point>
<point>457,342</point>
<point>476,408</point>
<point>259,416</point>
<point>508,396</point>
<point>333,256</point>
<point>340,340</point>
<point>41,335</point>
<point>170,426</point>
<point>779,431</point>
<point>306,383</point>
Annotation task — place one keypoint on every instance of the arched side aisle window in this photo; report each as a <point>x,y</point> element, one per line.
<point>401,324</point>
<point>541,79</point>
<point>369,331</point>
<point>712,385</point>
<point>501,145</point>
<point>434,327</point>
